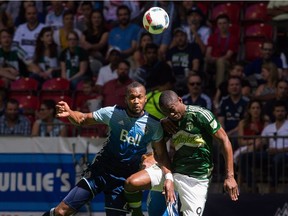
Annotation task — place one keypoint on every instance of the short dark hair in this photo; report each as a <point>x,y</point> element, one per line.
<point>167,97</point>
<point>132,85</point>
<point>280,103</point>
<point>125,7</point>
<point>125,62</point>
<point>222,16</point>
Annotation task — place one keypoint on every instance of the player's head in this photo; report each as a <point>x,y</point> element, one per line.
<point>135,99</point>
<point>171,105</point>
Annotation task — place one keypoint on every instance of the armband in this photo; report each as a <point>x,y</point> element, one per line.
<point>169,176</point>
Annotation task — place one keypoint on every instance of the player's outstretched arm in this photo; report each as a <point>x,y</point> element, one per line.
<point>77,118</point>
<point>230,184</point>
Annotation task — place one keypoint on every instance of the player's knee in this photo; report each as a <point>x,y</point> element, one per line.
<point>131,183</point>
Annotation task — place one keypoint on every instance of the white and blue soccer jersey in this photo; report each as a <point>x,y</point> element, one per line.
<point>128,139</point>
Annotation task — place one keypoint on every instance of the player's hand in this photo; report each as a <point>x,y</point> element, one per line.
<point>169,126</point>
<point>62,109</point>
<point>169,191</point>
<point>231,187</point>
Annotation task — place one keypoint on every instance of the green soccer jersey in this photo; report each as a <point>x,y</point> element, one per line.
<point>194,143</point>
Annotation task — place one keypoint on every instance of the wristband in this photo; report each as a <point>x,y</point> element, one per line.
<point>169,176</point>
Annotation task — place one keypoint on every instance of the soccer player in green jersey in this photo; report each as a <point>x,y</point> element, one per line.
<point>193,129</point>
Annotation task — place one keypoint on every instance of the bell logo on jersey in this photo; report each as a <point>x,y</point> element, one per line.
<point>130,139</point>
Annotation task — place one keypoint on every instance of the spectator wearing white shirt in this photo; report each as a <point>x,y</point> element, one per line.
<point>108,72</point>
<point>26,34</point>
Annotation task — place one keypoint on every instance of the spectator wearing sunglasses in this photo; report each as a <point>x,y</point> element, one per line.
<point>196,95</point>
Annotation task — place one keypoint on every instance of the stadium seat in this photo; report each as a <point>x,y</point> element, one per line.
<point>256,12</point>
<point>258,30</point>
<point>57,98</point>
<point>55,86</point>
<point>2,83</point>
<point>232,10</point>
<point>252,49</point>
<point>28,104</point>
<point>24,86</point>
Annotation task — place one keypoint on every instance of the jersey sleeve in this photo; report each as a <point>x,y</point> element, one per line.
<point>208,121</point>
<point>103,115</point>
<point>158,135</point>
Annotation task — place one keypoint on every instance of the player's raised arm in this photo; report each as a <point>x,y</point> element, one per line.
<point>77,118</point>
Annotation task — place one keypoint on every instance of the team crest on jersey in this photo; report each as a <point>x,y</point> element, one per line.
<point>189,126</point>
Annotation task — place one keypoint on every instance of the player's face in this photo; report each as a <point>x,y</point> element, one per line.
<point>135,101</point>
<point>174,110</point>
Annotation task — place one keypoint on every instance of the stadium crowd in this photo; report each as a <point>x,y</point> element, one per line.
<point>229,57</point>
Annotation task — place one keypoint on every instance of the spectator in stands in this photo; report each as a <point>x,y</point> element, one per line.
<point>183,9</point>
<point>221,50</point>
<point>60,35</point>
<point>281,94</point>
<point>95,40</point>
<point>152,73</point>
<point>125,34</point>
<point>254,69</point>
<point>54,17</point>
<point>21,15</point>
<point>107,72</point>
<point>26,34</point>
<point>267,90</point>
<point>6,21</point>
<point>47,125</point>
<point>83,20</point>
<point>138,56</point>
<point>46,57</point>
<point>232,107</point>
<point>88,98</point>
<point>195,95</point>
<point>251,125</point>
<point>196,29</point>
<point>13,62</point>
<point>277,146</point>
<point>237,69</point>
<point>3,94</point>
<point>73,61</point>
<point>184,58</point>
<point>114,90</point>
<point>12,122</point>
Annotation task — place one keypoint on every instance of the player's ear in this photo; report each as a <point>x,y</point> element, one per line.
<point>145,99</point>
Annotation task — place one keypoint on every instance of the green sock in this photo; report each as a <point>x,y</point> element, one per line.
<point>134,200</point>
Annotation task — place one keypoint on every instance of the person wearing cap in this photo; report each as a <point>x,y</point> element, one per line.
<point>184,58</point>
<point>196,29</point>
<point>107,72</point>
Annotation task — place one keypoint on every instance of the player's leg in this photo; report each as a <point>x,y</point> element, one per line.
<point>75,199</point>
<point>142,180</point>
<point>192,193</point>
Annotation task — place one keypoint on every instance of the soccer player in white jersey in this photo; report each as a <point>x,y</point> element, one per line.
<point>193,129</point>
<point>26,34</point>
<point>131,130</point>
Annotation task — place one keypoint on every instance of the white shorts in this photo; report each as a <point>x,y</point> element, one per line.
<point>192,193</point>
<point>156,176</point>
